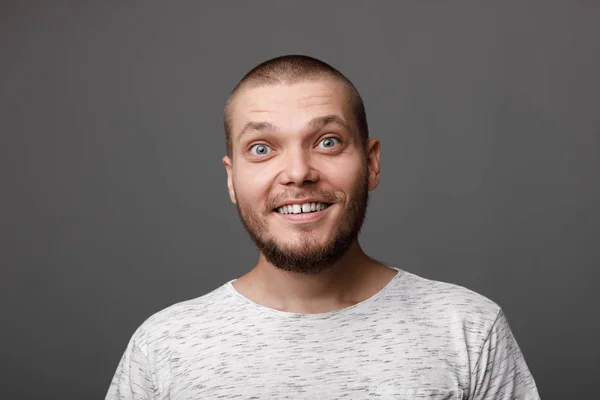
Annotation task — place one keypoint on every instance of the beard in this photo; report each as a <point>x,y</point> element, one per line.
<point>309,257</point>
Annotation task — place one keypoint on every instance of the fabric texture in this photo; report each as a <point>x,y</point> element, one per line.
<point>415,339</point>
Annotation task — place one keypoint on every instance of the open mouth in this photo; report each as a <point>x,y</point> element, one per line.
<point>304,208</point>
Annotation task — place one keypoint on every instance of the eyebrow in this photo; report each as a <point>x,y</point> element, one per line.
<point>314,124</point>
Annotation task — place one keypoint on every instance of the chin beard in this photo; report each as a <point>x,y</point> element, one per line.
<point>306,259</point>
<point>309,258</point>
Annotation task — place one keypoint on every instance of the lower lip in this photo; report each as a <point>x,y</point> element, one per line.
<point>304,217</point>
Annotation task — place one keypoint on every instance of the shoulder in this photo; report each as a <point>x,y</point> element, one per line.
<point>178,319</point>
<point>447,302</point>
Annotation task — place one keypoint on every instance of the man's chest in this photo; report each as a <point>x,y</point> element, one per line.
<point>308,367</point>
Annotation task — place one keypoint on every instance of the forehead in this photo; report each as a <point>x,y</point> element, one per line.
<point>289,105</point>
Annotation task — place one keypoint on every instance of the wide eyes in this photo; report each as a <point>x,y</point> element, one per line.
<point>328,142</point>
<point>261,149</point>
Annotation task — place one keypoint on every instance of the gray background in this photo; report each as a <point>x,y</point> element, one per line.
<point>114,201</point>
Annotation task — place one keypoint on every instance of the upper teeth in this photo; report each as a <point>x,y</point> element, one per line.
<point>301,208</point>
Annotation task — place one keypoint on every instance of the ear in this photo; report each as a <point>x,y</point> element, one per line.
<point>373,162</point>
<point>229,168</point>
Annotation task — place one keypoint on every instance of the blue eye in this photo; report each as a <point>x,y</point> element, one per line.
<point>329,142</point>
<point>261,149</point>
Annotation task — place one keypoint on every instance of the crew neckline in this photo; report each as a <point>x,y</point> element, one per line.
<point>312,316</point>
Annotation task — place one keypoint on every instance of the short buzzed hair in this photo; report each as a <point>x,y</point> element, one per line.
<point>290,69</point>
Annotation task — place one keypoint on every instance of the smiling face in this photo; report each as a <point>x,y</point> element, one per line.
<point>299,174</point>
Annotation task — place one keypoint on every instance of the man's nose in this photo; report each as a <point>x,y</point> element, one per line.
<point>297,169</point>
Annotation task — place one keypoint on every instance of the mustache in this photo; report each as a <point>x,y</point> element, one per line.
<point>327,197</point>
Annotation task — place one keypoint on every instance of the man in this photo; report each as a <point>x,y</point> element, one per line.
<point>317,318</point>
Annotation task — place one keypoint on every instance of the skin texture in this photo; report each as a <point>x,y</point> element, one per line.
<point>294,142</point>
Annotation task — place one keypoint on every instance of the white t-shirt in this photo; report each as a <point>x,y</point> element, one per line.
<point>415,339</point>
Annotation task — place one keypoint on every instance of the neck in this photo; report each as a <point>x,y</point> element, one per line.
<point>337,287</point>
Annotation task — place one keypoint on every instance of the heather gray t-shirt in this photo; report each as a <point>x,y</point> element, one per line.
<point>414,339</point>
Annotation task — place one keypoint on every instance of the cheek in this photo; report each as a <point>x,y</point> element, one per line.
<point>345,175</point>
<point>251,185</point>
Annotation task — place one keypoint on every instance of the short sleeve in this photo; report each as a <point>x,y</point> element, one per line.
<point>133,378</point>
<point>501,372</point>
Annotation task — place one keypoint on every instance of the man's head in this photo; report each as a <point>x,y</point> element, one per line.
<point>297,141</point>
